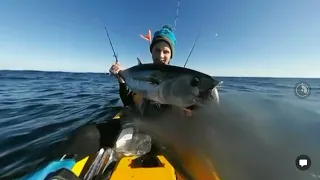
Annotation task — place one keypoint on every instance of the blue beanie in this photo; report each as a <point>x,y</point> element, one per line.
<point>165,34</point>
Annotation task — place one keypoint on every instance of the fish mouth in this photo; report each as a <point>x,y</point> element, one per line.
<point>214,94</point>
<point>211,94</point>
<point>206,94</point>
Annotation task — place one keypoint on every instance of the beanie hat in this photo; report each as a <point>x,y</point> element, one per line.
<point>165,34</point>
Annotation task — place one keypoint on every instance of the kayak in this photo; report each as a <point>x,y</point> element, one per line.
<point>141,164</point>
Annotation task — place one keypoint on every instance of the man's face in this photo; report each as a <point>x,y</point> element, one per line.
<point>161,53</point>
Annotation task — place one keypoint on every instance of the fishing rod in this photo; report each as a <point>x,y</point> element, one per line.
<point>191,50</point>
<point>114,53</point>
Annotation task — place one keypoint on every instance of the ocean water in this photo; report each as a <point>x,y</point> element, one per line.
<point>40,109</point>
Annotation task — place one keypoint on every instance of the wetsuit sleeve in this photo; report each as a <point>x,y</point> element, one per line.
<point>125,94</point>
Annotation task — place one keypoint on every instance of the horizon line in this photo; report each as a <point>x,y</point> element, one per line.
<point>226,76</point>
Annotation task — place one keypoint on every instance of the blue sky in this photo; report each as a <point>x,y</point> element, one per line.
<point>275,38</point>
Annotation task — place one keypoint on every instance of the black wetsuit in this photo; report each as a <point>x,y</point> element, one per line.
<point>125,94</point>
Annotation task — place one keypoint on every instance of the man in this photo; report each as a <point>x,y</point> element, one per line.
<point>162,49</point>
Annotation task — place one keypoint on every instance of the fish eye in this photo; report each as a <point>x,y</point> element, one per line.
<point>195,82</point>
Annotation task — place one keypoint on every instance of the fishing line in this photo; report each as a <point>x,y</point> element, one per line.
<point>191,50</point>
<point>177,16</point>
<point>174,29</point>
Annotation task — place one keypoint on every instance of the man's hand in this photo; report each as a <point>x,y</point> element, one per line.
<point>114,70</point>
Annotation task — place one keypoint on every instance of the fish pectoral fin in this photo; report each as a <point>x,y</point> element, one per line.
<point>148,79</point>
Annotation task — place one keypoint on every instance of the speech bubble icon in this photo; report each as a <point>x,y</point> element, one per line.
<point>303,162</point>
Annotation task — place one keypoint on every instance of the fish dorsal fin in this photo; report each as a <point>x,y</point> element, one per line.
<point>139,61</point>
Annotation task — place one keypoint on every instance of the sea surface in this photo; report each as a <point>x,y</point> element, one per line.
<point>40,109</point>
